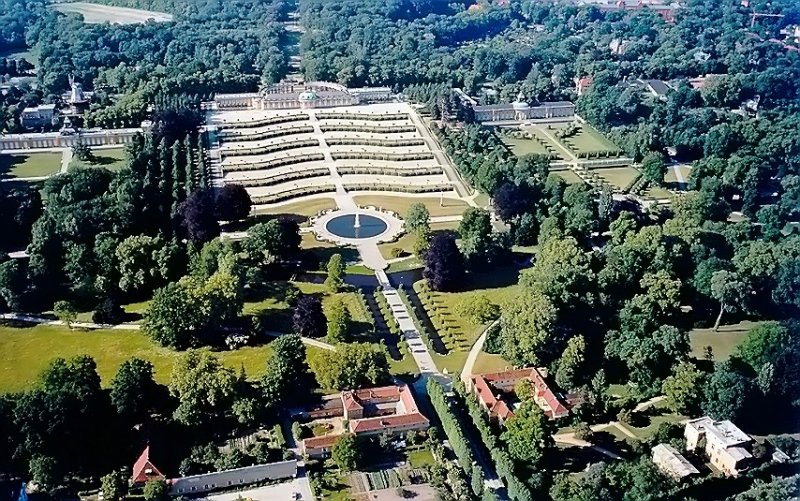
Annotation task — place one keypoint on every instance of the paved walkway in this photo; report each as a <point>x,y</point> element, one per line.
<point>66,158</point>
<point>32,319</point>
<point>306,340</point>
<point>477,347</point>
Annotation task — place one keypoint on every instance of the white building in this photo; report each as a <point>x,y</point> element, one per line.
<point>38,116</point>
<point>672,463</point>
<point>292,95</point>
<point>723,442</point>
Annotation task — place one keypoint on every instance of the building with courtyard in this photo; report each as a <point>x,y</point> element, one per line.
<point>388,409</point>
<point>518,111</point>
<point>496,393</point>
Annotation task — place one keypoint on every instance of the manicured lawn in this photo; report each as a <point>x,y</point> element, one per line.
<point>32,165</point>
<point>524,146</point>
<point>569,176</point>
<point>406,242</point>
<point>26,351</point>
<point>648,425</point>
<point>486,362</point>
<point>406,366</point>
<point>456,330</point>
<point>420,458</point>
<point>482,200</point>
<point>621,177</point>
<point>671,177</point>
<point>722,343</point>
<point>309,241</point>
<point>112,159</point>
<point>409,263</point>
<point>400,205</point>
<point>657,193</point>
<point>588,139</point>
<point>306,208</point>
<point>30,55</point>
<point>278,313</point>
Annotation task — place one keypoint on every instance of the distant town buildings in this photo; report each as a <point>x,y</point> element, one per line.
<point>371,411</point>
<point>496,393</point>
<point>672,463</point>
<point>583,84</point>
<point>727,447</point>
<point>293,95</point>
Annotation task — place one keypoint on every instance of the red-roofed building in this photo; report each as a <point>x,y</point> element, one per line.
<point>495,389</point>
<point>144,469</point>
<point>387,409</point>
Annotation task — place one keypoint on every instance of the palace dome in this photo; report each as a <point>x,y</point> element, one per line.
<point>308,95</point>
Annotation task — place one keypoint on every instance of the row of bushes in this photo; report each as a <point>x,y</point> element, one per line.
<point>293,193</point>
<point>270,148</point>
<point>361,116</point>
<point>279,162</point>
<point>224,136</point>
<point>285,177</point>
<point>250,124</point>
<point>455,435</point>
<point>504,465</point>
<point>391,171</point>
<point>391,143</point>
<point>374,129</point>
<point>374,155</point>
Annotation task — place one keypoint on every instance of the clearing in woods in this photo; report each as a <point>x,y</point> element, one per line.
<point>97,14</point>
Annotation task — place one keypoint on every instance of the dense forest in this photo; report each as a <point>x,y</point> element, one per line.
<point>210,47</point>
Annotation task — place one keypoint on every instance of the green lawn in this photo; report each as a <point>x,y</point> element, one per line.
<point>400,205</point>
<point>406,242</point>
<point>524,146</point>
<point>569,176</point>
<point>588,139</point>
<point>278,313</point>
<point>409,263</point>
<point>113,159</point>
<point>30,55</point>
<point>420,458</point>
<point>457,331</point>
<point>722,343</point>
<point>657,193</point>
<point>28,350</point>
<point>30,165</point>
<point>303,209</point>
<point>487,362</point>
<point>621,177</point>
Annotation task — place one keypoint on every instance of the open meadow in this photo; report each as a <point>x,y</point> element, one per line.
<point>97,14</point>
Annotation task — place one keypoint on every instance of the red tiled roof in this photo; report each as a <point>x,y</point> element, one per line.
<point>380,393</point>
<point>388,422</point>
<point>325,442</point>
<point>144,469</point>
<point>350,402</point>
<point>547,400</point>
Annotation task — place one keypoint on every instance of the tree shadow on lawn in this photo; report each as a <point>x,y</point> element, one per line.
<point>574,459</point>
<point>492,279</point>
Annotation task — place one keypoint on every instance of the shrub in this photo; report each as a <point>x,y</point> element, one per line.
<point>398,252</point>
<point>108,312</point>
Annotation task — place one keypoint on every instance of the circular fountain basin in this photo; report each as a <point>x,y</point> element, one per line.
<point>345,226</point>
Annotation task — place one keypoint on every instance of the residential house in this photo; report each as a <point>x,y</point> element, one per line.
<point>144,470</point>
<point>727,447</point>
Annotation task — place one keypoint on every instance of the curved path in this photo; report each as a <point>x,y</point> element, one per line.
<point>32,319</point>
<point>477,347</point>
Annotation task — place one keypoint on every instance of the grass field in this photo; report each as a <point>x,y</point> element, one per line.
<point>456,330</point>
<point>30,55</point>
<point>406,242</point>
<point>524,146</point>
<point>657,193</point>
<point>486,362</point>
<point>32,165</point>
<point>25,351</point>
<point>400,205</point>
<point>589,139</point>
<point>621,177</point>
<point>98,14</point>
<point>278,313</point>
<point>671,178</point>
<point>569,176</point>
<point>722,342</point>
<point>304,209</point>
<point>111,159</point>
